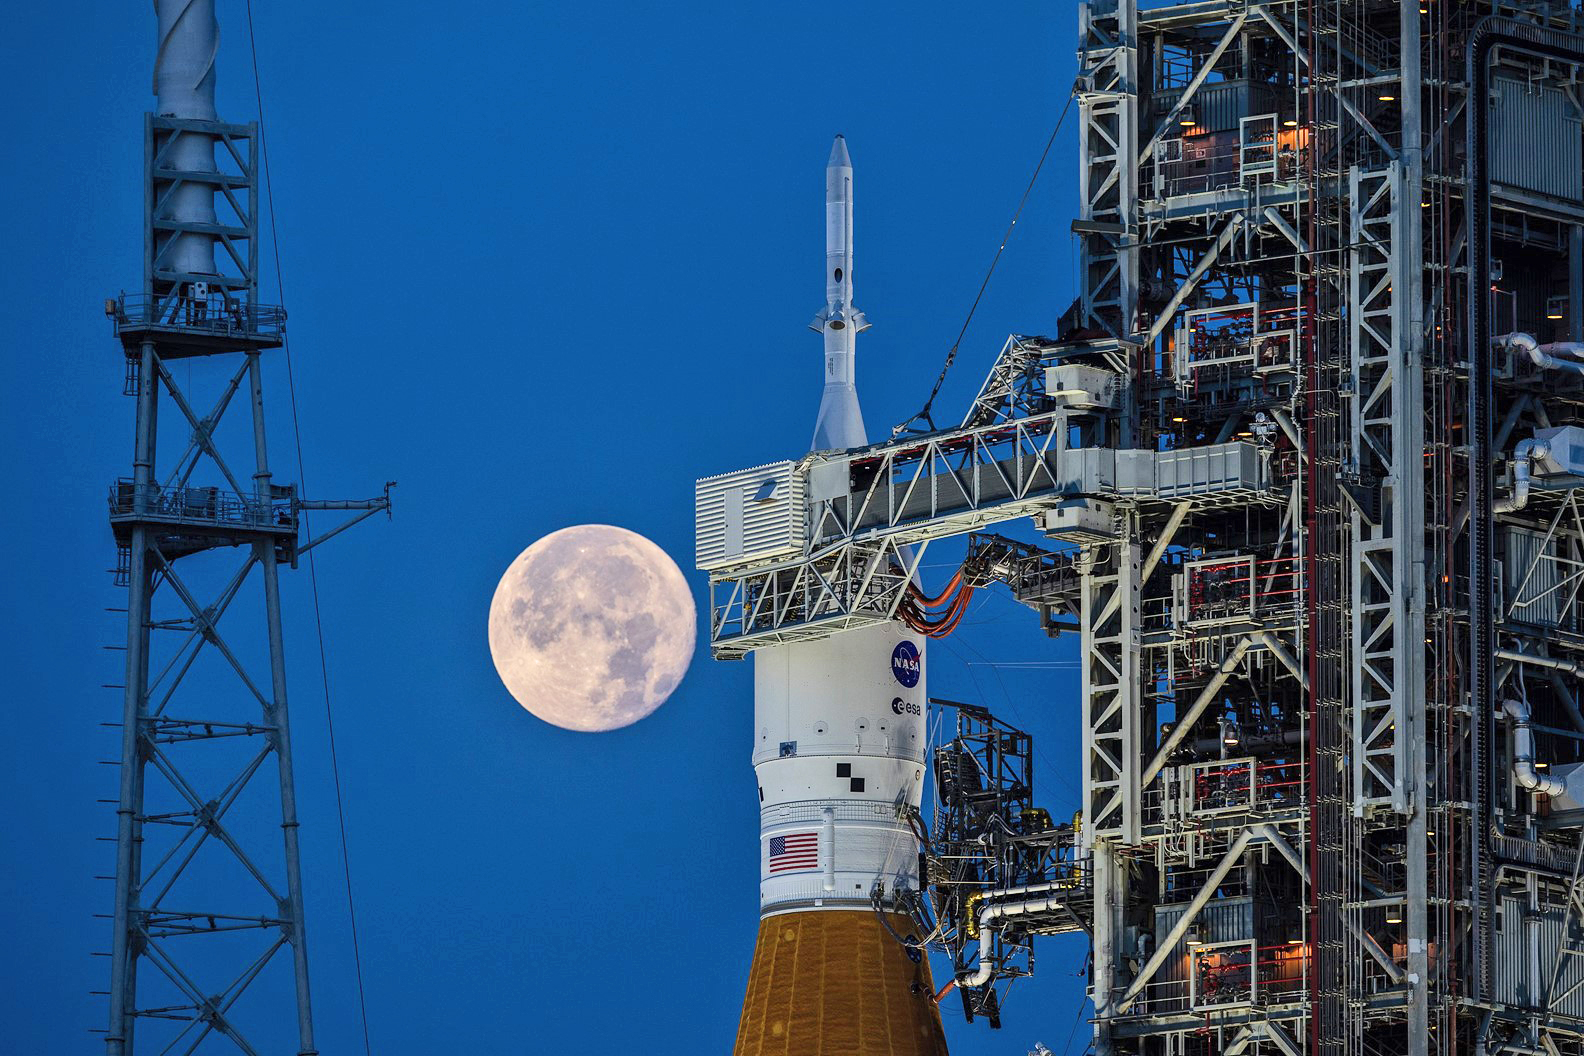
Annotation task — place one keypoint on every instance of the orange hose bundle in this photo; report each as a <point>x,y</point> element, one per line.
<point>915,609</point>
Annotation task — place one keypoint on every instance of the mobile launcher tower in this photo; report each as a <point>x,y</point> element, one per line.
<point>1307,450</point>
<point>208,945</point>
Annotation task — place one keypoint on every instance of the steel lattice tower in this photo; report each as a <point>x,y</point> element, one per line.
<point>202,906</point>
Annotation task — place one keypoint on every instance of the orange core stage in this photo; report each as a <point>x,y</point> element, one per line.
<point>834,982</point>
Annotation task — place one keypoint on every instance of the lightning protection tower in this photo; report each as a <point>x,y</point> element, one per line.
<point>206,912</point>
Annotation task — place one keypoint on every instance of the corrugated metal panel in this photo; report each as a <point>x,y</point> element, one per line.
<point>1526,945</point>
<point>1571,975</point>
<point>1182,473</point>
<point>1200,470</point>
<point>1225,920</point>
<point>1532,584</point>
<point>837,982</point>
<point>1218,107</point>
<point>1537,140</point>
<point>751,514</point>
<point>1511,958</point>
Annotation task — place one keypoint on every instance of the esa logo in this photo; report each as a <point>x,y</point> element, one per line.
<point>905,664</point>
<point>904,707</point>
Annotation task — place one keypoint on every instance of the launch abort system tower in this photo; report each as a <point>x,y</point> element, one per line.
<point>1307,452</point>
<point>205,911</point>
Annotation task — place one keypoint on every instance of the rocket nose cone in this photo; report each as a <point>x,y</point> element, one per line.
<point>838,157</point>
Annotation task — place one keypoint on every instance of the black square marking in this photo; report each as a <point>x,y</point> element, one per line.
<point>843,769</point>
<point>856,784</point>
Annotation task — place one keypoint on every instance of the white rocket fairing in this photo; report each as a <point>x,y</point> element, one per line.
<point>839,721</point>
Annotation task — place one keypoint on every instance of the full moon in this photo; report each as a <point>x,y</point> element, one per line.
<point>592,627</point>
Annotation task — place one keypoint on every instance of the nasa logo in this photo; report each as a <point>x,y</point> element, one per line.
<point>905,664</point>
<point>904,707</point>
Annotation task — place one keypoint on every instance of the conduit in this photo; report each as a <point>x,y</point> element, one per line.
<point>1558,667</point>
<point>1546,356</point>
<point>914,610</point>
<point>1057,893</point>
<point>1524,456</point>
<point>1551,662</point>
<point>987,918</point>
<point>1524,771</point>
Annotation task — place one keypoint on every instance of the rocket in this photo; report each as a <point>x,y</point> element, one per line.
<point>840,754</point>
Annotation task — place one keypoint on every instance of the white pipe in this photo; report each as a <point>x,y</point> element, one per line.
<point>1524,771</point>
<point>1545,356</point>
<point>990,912</point>
<point>1002,893</point>
<point>987,918</point>
<point>1524,456</point>
<point>1551,662</point>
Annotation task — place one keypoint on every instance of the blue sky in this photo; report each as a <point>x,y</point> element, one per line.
<point>545,265</point>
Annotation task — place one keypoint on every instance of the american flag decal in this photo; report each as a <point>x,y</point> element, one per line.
<point>791,853</point>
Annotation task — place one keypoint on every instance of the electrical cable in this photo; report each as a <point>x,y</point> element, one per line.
<point>951,355</point>
<point>932,602</point>
<point>933,625</point>
<point>1067,1048</point>
<point>916,606</point>
<point>313,575</point>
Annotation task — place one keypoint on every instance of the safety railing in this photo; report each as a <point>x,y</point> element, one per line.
<point>1225,976</point>
<point>213,313</point>
<point>1237,589</point>
<point>1217,161</point>
<point>205,506</point>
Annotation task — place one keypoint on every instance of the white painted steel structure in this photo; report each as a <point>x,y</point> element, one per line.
<point>1320,522</point>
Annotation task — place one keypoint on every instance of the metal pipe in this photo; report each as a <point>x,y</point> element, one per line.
<point>1000,894</point>
<point>1524,455</point>
<point>987,918</point>
<point>1545,356</point>
<point>1185,722</point>
<point>1524,771</point>
<point>1551,662</point>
